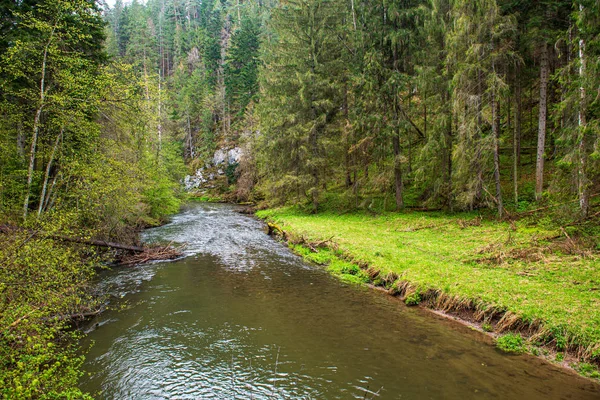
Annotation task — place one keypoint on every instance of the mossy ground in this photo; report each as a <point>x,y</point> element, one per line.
<point>515,268</point>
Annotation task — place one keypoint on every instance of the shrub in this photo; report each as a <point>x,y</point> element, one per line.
<point>412,299</point>
<point>511,343</point>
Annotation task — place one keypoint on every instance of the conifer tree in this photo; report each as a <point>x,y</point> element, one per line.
<point>480,46</point>
<point>300,96</point>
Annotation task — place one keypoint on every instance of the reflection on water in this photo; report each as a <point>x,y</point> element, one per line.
<point>243,318</point>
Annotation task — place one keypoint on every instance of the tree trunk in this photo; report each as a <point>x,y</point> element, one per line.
<point>517,137</point>
<point>353,14</point>
<point>346,139</point>
<point>496,134</point>
<point>539,168</point>
<point>449,161</point>
<point>313,134</point>
<point>189,140</point>
<point>47,204</point>
<point>399,186</point>
<point>159,127</point>
<point>48,167</point>
<point>477,162</point>
<point>36,125</point>
<point>582,183</point>
<point>8,229</point>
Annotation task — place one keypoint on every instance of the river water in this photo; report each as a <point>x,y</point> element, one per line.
<point>241,317</point>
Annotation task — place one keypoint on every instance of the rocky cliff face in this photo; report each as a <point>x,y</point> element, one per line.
<point>218,171</point>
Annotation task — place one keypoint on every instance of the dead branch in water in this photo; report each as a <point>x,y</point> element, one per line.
<point>153,253</point>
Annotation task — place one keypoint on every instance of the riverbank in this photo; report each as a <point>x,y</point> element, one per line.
<point>507,277</point>
<point>47,290</point>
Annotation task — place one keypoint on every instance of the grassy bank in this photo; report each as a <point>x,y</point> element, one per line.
<point>522,276</point>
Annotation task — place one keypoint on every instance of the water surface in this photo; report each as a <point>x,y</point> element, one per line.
<point>242,318</point>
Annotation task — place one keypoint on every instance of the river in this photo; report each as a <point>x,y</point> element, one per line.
<point>241,317</point>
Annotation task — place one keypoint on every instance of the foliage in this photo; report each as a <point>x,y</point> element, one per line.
<point>510,343</point>
<point>85,152</point>
<point>42,283</point>
<point>412,299</point>
<point>588,370</point>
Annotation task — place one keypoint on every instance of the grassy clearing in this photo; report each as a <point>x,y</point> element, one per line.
<point>522,276</point>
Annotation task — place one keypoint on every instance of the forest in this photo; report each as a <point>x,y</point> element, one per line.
<point>434,104</point>
<point>392,105</point>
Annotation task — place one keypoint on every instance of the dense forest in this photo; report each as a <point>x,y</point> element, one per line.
<point>430,104</point>
<point>439,104</point>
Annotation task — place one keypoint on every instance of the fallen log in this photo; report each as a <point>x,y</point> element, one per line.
<point>7,229</point>
<point>99,243</point>
<point>138,255</point>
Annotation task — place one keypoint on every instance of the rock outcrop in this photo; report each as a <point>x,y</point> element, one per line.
<point>214,171</point>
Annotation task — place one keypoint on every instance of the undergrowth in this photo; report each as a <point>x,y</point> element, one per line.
<point>511,343</point>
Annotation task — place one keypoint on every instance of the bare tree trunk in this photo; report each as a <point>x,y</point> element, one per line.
<point>48,167</point>
<point>36,125</point>
<point>313,135</point>
<point>531,100</point>
<point>478,162</point>
<point>9,229</point>
<point>584,195</point>
<point>50,192</point>
<point>346,139</point>
<point>21,138</point>
<point>159,127</point>
<point>399,185</point>
<point>449,146</point>
<point>517,137</point>
<point>353,14</point>
<point>496,134</point>
<point>539,168</point>
<point>190,139</point>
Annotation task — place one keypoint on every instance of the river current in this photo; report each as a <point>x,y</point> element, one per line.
<point>241,317</point>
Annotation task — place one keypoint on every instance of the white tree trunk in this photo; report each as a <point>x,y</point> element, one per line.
<point>47,174</point>
<point>36,125</point>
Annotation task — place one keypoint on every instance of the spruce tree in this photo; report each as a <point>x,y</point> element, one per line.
<point>300,96</point>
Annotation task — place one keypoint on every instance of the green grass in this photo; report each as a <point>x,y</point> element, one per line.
<point>443,252</point>
<point>588,370</point>
<point>344,270</point>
